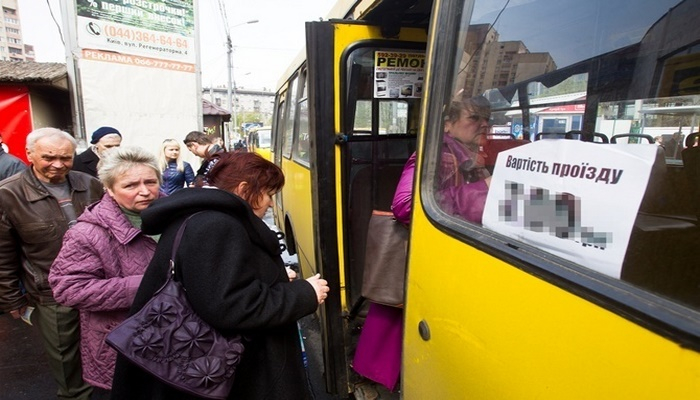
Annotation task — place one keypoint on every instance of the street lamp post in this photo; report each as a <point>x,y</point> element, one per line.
<point>229,93</point>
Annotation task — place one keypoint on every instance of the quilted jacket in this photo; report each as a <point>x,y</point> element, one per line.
<point>462,189</point>
<point>98,271</point>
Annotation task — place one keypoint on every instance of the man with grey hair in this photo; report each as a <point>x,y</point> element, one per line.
<point>37,206</point>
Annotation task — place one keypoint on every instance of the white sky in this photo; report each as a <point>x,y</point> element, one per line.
<point>261,51</point>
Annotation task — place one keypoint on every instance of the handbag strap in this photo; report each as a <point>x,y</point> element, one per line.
<point>176,243</point>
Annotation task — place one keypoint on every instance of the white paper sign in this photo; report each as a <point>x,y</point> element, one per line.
<point>398,74</point>
<point>574,199</point>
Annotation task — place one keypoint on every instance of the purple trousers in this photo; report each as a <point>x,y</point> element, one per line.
<point>378,353</point>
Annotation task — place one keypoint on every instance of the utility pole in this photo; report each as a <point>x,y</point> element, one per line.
<point>231,90</point>
<point>229,98</point>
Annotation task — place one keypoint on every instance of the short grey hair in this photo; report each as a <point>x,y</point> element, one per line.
<point>42,133</point>
<point>118,160</point>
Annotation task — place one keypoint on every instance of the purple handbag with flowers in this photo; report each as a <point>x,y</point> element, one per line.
<point>169,340</point>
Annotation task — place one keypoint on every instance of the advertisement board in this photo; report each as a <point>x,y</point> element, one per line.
<point>162,30</point>
<point>134,67</point>
<point>398,74</point>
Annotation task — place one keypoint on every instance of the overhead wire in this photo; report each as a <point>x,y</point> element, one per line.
<point>58,26</point>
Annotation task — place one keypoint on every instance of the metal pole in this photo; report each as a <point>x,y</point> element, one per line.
<point>229,51</point>
<point>233,106</point>
<point>231,82</point>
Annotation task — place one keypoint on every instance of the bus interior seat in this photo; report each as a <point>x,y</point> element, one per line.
<point>592,136</point>
<point>690,139</point>
<point>691,168</point>
<point>659,209</point>
<point>665,260</point>
<point>492,147</point>
<point>574,135</point>
<point>661,251</point>
<point>629,136</point>
<point>553,135</point>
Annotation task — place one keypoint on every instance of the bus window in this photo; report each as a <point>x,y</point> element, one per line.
<point>626,85</point>
<point>301,146</point>
<point>393,117</point>
<point>301,149</point>
<point>380,105</point>
<point>290,115</point>
<point>264,139</point>
<point>363,117</point>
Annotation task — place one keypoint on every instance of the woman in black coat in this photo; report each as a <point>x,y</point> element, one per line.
<point>229,262</point>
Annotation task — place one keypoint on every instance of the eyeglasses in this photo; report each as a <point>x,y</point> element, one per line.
<point>477,118</point>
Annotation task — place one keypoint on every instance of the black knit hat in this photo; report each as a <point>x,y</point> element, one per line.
<point>103,131</point>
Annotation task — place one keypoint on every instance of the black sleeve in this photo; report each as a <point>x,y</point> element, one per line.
<point>221,270</point>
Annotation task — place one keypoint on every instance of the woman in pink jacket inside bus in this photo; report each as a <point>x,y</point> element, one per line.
<point>463,180</point>
<point>462,189</point>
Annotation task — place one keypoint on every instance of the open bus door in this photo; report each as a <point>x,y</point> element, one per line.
<point>362,130</point>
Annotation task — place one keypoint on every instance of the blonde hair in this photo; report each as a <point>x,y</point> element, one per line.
<point>118,160</point>
<point>163,160</point>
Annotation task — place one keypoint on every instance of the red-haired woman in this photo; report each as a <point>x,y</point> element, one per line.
<point>229,262</point>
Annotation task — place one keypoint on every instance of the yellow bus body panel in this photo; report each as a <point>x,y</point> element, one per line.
<point>497,332</point>
<point>297,208</point>
<point>346,35</point>
<point>265,153</point>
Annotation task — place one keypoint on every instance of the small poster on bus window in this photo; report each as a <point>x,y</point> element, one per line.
<point>573,199</point>
<point>398,74</point>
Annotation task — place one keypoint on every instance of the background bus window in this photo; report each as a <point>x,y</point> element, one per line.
<point>301,149</point>
<point>372,114</point>
<point>393,117</point>
<point>363,117</point>
<point>290,117</point>
<point>631,80</point>
<point>301,141</point>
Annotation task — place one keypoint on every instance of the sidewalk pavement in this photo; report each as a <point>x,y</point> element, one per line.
<point>24,373</point>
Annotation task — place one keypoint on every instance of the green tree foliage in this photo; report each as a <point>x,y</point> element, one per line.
<point>250,116</point>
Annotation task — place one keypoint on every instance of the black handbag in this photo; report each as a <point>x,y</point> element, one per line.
<point>384,275</point>
<point>170,341</point>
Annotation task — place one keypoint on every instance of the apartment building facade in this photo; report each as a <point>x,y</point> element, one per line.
<point>245,101</point>
<point>12,46</point>
<point>495,63</point>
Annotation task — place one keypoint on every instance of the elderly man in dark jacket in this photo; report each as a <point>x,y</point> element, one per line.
<point>104,138</point>
<point>37,207</point>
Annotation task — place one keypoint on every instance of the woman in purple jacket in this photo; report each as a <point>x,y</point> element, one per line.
<point>463,182</point>
<point>104,256</point>
<point>463,185</point>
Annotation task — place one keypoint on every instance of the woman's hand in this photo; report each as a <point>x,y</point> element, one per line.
<point>320,286</point>
<point>290,273</point>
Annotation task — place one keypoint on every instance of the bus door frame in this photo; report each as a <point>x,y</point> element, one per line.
<point>322,69</point>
